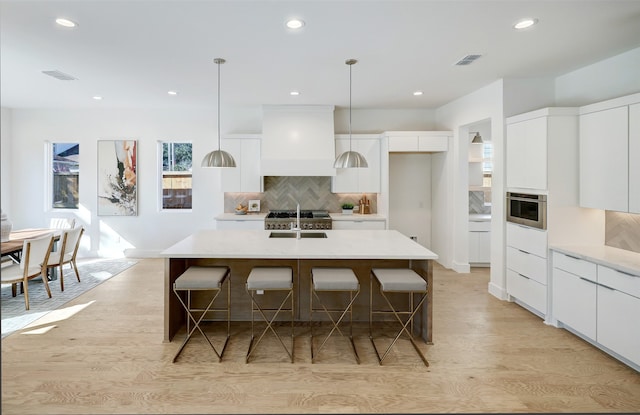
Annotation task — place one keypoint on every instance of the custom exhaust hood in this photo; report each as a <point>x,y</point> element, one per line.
<point>297,140</point>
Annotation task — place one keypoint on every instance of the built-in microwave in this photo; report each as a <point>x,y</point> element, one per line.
<point>527,209</point>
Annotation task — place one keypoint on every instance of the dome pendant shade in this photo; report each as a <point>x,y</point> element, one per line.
<point>350,160</point>
<point>218,158</point>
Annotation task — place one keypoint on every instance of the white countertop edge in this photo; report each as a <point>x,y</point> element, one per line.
<point>619,259</point>
<point>257,216</point>
<point>302,257</point>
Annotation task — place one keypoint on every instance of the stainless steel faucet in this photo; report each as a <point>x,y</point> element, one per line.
<point>297,228</point>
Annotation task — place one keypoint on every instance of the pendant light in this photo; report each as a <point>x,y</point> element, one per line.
<point>218,158</point>
<point>476,138</point>
<point>350,159</point>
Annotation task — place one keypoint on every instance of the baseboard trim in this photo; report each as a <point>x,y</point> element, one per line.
<point>462,268</point>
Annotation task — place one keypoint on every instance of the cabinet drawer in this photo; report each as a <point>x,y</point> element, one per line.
<point>527,290</point>
<point>618,280</point>
<point>527,264</point>
<point>479,226</point>
<point>527,239</point>
<point>576,266</point>
<point>358,224</point>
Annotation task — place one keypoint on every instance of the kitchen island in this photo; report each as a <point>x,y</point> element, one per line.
<point>241,250</point>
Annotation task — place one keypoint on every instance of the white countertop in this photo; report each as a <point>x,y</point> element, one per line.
<point>619,259</point>
<point>339,244</point>
<point>357,217</point>
<point>248,216</point>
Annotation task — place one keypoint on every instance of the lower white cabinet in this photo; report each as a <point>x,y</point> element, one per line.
<point>240,224</point>
<point>574,302</point>
<point>599,303</point>
<point>359,224</point>
<point>479,242</point>
<point>526,262</point>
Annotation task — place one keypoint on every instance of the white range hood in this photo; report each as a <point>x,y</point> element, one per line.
<point>297,140</point>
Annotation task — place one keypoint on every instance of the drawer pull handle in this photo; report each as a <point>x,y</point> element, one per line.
<point>524,276</point>
<point>589,281</point>
<point>607,287</point>
<point>524,252</point>
<point>571,256</point>
<point>627,273</point>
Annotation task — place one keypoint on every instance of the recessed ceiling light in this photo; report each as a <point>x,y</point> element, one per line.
<point>525,23</point>
<point>97,98</point>
<point>294,93</point>
<point>172,92</point>
<point>295,23</point>
<point>66,22</point>
<point>417,93</point>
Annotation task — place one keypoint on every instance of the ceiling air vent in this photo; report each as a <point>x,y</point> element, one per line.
<point>467,60</point>
<point>60,75</point>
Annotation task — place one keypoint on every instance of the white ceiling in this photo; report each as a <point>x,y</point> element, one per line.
<point>133,52</point>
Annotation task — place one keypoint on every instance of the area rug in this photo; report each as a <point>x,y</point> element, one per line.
<point>92,273</point>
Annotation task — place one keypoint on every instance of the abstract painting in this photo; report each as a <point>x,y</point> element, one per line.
<point>117,179</point>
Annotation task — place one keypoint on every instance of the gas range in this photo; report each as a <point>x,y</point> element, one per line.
<point>309,219</point>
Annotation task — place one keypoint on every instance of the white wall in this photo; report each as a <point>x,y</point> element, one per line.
<point>609,78</point>
<point>450,198</point>
<point>5,165</point>
<point>151,231</point>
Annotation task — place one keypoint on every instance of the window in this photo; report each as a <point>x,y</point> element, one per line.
<point>65,168</point>
<point>176,175</point>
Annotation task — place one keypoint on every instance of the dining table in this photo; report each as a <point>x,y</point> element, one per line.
<point>13,247</point>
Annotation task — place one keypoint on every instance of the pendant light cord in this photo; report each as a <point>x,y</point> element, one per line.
<point>219,62</point>
<point>350,62</point>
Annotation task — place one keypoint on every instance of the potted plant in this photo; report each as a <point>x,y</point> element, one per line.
<point>347,208</point>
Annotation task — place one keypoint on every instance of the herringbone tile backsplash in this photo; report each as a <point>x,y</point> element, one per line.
<point>622,230</point>
<point>283,192</point>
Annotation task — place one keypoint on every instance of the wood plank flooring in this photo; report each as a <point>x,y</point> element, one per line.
<point>103,353</point>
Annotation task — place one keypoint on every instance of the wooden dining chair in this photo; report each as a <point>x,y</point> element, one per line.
<point>33,263</point>
<point>62,223</point>
<point>70,242</point>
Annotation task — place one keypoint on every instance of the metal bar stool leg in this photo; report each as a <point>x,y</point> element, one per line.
<point>398,281</point>
<point>203,279</point>
<point>333,280</point>
<point>270,279</point>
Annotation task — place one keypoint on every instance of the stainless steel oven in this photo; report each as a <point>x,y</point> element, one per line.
<point>527,209</point>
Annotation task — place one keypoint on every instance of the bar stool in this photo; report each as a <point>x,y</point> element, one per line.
<point>198,278</point>
<point>398,280</point>
<point>263,279</point>
<point>333,280</point>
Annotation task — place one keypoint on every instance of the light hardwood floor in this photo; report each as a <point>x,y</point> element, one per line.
<point>488,356</point>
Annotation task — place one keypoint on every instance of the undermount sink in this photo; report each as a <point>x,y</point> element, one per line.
<point>293,235</point>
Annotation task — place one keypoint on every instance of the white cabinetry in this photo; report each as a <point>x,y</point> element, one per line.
<point>634,158</point>
<point>245,177</point>
<point>479,242</point>
<point>418,141</point>
<point>361,180</point>
<point>527,266</point>
<point>609,155</point>
<point>574,293</point>
<point>359,224</point>
<point>527,154</point>
<point>598,303</point>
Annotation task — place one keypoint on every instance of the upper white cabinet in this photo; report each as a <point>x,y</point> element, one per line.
<point>245,177</point>
<point>527,154</point>
<point>634,158</point>
<point>610,155</point>
<point>361,180</point>
<point>418,141</point>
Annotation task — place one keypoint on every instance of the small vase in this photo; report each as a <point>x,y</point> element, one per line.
<point>347,211</point>
<point>5,230</point>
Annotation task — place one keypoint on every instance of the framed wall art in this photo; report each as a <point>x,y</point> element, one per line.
<point>117,178</point>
